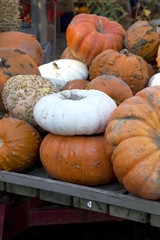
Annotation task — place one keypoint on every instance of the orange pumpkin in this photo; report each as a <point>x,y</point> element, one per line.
<point>76,159</point>
<point>133,69</point>
<point>113,86</point>
<point>75,84</point>
<point>19,145</point>
<point>158,59</point>
<point>142,39</point>
<point>132,139</point>
<point>88,35</point>
<point>27,43</point>
<point>67,54</point>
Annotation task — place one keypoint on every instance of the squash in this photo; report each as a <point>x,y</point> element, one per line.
<point>158,59</point>
<point>27,43</point>
<point>132,139</point>
<point>142,39</point>
<point>19,145</point>
<point>74,112</point>
<point>75,84</point>
<point>66,54</point>
<point>154,80</point>
<point>132,69</point>
<point>21,92</point>
<point>88,35</point>
<point>60,71</point>
<point>113,86</point>
<point>76,159</point>
<point>14,62</point>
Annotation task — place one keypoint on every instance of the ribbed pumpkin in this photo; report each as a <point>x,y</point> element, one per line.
<point>142,39</point>
<point>27,43</point>
<point>19,145</point>
<point>132,139</point>
<point>66,54</point>
<point>14,62</point>
<point>133,69</point>
<point>76,159</point>
<point>113,86</point>
<point>76,84</point>
<point>88,35</point>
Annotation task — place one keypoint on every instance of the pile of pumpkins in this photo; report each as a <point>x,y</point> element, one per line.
<point>93,116</point>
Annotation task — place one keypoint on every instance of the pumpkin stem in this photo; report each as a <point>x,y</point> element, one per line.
<point>3,64</point>
<point>55,66</point>
<point>99,29</point>
<point>124,51</point>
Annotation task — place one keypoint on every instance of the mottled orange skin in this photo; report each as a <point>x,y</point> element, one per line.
<point>88,35</point>
<point>113,86</point>
<point>132,69</point>
<point>75,84</point>
<point>76,159</point>
<point>24,42</point>
<point>19,145</point>
<point>142,39</point>
<point>132,140</point>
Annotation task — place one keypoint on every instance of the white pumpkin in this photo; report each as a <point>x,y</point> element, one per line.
<point>74,112</point>
<point>59,72</point>
<point>154,80</point>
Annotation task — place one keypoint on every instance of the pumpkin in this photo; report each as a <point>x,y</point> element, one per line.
<point>132,143</point>
<point>60,71</point>
<point>66,54</point>
<point>154,80</point>
<point>83,9</point>
<point>74,112</point>
<point>19,145</point>
<point>133,69</point>
<point>88,35</point>
<point>113,86</point>
<point>14,62</point>
<point>27,43</point>
<point>75,84</point>
<point>21,92</point>
<point>76,159</point>
<point>142,39</point>
<point>158,58</point>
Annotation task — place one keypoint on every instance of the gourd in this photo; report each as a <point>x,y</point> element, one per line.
<point>132,143</point>
<point>154,80</point>
<point>27,43</point>
<point>74,112</point>
<point>19,145</point>
<point>113,86</point>
<point>142,39</point>
<point>60,71</point>
<point>66,54</point>
<point>76,159</point>
<point>75,84</point>
<point>88,35</point>
<point>158,59</point>
<point>21,92</point>
<point>132,69</point>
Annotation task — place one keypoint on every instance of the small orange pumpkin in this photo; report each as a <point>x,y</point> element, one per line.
<point>19,145</point>
<point>113,86</point>
<point>76,84</point>
<point>76,159</point>
<point>132,139</point>
<point>67,54</point>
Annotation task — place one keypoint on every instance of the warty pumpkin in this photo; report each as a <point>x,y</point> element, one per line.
<point>27,43</point>
<point>132,143</point>
<point>132,69</point>
<point>19,145</point>
<point>113,86</point>
<point>88,35</point>
<point>142,39</point>
<point>76,159</point>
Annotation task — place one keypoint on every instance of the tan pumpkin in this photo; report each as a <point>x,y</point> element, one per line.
<point>132,139</point>
<point>113,86</point>
<point>27,43</point>
<point>142,39</point>
<point>132,69</point>
<point>19,145</point>
<point>76,159</point>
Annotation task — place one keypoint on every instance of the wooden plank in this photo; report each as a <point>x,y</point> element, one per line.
<point>21,190</point>
<point>128,214</point>
<point>155,220</point>
<point>58,198</point>
<point>94,194</point>
<point>90,205</point>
